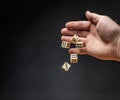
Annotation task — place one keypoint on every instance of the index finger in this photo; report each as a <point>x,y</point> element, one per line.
<point>78,25</point>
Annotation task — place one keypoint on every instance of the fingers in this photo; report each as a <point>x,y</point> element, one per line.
<point>78,51</point>
<point>93,17</point>
<point>78,25</point>
<point>69,38</point>
<point>66,31</point>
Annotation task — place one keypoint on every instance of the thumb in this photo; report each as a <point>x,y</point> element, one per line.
<point>93,17</point>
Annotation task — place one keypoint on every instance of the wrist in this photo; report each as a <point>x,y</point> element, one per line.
<point>117,47</point>
<point>118,50</point>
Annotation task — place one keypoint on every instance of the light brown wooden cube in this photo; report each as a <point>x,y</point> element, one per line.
<point>65,44</point>
<point>75,39</point>
<point>73,58</point>
<point>80,44</point>
<point>66,66</point>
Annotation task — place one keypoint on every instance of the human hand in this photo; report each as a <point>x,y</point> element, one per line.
<point>100,33</point>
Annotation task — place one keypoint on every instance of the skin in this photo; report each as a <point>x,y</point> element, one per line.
<point>99,32</point>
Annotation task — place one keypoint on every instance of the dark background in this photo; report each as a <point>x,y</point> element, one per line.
<point>31,56</point>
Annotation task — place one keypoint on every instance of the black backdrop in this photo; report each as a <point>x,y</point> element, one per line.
<point>31,56</point>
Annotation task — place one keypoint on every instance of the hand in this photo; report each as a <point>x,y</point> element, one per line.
<point>100,33</point>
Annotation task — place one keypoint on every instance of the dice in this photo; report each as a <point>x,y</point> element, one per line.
<point>73,58</point>
<point>66,66</point>
<point>65,44</point>
<point>80,44</point>
<point>75,39</point>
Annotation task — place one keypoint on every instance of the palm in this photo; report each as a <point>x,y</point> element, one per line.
<point>96,45</point>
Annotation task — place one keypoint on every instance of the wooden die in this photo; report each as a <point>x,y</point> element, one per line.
<point>73,58</point>
<point>75,39</point>
<point>80,44</point>
<point>65,44</point>
<point>66,66</point>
